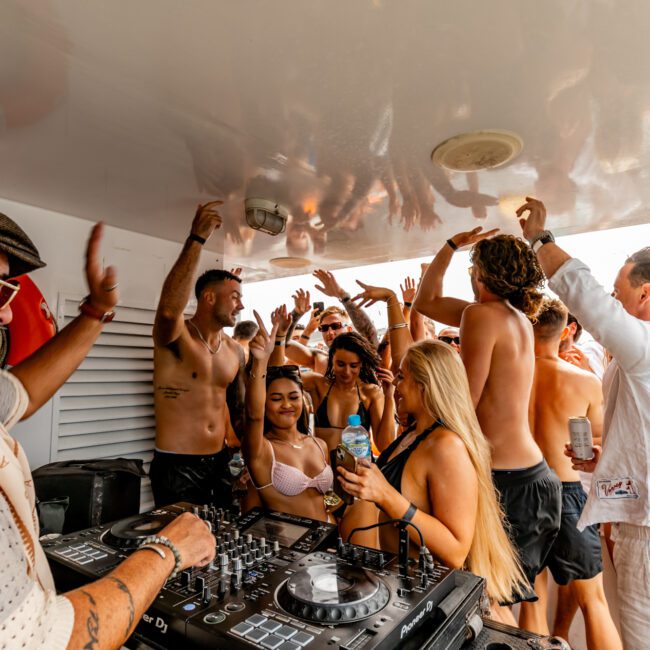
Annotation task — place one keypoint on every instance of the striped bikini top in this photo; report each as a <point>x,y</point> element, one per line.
<point>291,482</point>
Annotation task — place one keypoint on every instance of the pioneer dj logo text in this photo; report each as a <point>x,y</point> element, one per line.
<point>406,629</point>
<point>157,622</point>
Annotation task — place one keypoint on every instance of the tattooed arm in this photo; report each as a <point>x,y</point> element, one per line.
<point>106,611</point>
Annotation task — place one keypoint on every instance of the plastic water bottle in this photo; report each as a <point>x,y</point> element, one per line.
<point>357,439</point>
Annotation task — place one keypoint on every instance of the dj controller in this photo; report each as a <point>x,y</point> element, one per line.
<point>282,582</point>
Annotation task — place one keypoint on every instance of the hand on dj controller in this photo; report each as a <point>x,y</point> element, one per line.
<point>192,538</point>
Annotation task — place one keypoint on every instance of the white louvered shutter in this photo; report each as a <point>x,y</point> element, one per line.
<point>105,409</point>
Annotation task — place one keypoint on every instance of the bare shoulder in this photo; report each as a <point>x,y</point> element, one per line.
<point>444,448</point>
<point>323,445</point>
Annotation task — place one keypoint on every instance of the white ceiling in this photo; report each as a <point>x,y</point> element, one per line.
<point>133,112</point>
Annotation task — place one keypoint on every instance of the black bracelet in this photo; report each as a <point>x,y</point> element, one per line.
<point>451,244</point>
<point>407,304</point>
<point>410,513</point>
<point>196,238</point>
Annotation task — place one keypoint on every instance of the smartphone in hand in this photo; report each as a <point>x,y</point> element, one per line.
<point>319,307</point>
<point>344,458</point>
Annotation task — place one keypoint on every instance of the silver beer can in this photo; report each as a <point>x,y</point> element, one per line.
<point>581,438</point>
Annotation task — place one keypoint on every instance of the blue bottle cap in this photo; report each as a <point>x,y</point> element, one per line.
<point>354,420</point>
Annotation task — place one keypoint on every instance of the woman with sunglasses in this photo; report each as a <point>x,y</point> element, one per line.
<point>289,468</point>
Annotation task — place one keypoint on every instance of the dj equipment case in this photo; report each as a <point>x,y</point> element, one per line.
<point>98,490</point>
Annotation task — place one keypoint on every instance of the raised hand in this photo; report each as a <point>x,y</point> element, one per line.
<point>408,290</point>
<point>207,219</point>
<point>370,295</point>
<point>470,237</point>
<point>236,271</point>
<point>262,344</point>
<point>386,379</point>
<point>302,302</point>
<point>282,319</point>
<point>536,220</point>
<point>329,286</point>
<point>102,283</point>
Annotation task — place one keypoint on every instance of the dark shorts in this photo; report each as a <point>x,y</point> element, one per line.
<point>532,501</point>
<point>574,555</point>
<point>188,477</point>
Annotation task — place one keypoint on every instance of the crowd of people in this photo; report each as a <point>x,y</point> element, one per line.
<point>468,427</point>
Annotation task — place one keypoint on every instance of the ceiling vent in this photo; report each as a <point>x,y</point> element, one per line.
<point>473,152</point>
<point>290,262</point>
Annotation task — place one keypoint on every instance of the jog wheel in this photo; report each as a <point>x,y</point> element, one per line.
<point>333,594</point>
<point>129,533</point>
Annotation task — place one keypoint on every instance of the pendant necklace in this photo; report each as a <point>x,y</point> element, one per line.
<point>198,331</point>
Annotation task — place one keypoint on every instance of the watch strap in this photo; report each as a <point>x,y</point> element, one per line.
<point>544,237</point>
<point>197,238</point>
<point>87,309</point>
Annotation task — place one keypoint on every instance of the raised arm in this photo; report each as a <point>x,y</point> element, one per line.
<point>282,320</point>
<point>302,304</point>
<point>625,336</point>
<point>45,371</point>
<point>360,320</point>
<point>384,434</point>
<point>260,348</point>
<point>398,332</point>
<point>430,300</point>
<point>416,319</point>
<point>168,324</point>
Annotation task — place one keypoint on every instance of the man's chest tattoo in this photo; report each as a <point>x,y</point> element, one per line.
<point>171,392</point>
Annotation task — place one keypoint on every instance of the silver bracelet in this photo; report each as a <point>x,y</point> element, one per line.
<point>164,541</point>
<point>155,549</point>
<point>397,326</point>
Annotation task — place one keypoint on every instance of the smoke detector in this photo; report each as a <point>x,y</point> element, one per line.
<point>478,150</point>
<point>265,215</point>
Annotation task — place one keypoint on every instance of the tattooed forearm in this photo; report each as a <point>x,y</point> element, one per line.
<point>122,587</point>
<point>92,623</point>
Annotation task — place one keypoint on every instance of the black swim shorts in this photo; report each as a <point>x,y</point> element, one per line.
<point>574,555</point>
<point>193,478</point>
<point>532,501</point>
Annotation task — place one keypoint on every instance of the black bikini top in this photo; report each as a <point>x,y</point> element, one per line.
<point>322,420</point>
<point>393,468</point>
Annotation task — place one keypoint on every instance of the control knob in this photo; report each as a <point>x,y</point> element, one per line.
<point>206,595</point>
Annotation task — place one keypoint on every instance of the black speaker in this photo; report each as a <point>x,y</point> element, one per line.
<point>98,490</point>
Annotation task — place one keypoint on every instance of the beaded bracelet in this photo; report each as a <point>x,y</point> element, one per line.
<point>164,541</point>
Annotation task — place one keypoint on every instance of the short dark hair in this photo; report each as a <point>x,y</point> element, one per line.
<point>245,329</point>
<point>551,319</point>
<point>299,326</point>
<point>212,277</point>
<point>508,267</point>
<point>572,319</point>
<point>640,272</point>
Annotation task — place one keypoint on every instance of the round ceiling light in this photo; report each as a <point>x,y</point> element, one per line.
<point>478,150</point>
<point>290,262</point>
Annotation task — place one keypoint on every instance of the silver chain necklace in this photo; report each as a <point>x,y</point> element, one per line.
<point>198,331</point>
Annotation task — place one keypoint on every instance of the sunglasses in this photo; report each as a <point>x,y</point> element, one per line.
<point>450,339</point>
<point>289,372</point>
<point>8,292</point>
<point>331,326</point>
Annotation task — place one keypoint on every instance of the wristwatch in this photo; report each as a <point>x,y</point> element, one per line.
<point>541,238</point>
<point>92,312</point>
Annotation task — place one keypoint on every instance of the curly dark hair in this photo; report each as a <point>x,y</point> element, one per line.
<point>508,267</point>
<point>354,342</point>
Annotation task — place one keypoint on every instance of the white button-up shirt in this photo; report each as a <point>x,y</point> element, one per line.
<point>620,487</point>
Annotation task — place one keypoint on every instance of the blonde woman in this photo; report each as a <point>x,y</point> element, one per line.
<point>437,474</point>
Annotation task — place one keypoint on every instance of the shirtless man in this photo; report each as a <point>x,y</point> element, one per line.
<point>195,363</point>
<point>560,391</point>
<point>498,353</point>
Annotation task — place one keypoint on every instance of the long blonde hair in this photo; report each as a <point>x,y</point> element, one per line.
<point>437,368</point>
